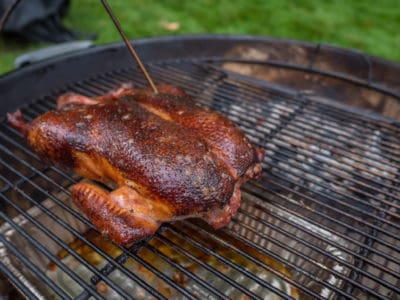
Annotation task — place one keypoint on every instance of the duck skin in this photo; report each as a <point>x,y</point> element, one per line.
<point>169,158</point>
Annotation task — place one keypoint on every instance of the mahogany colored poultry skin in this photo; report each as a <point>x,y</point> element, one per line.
<point>170,158</point>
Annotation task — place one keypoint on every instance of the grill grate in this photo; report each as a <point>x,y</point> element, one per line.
<point>322,223</point>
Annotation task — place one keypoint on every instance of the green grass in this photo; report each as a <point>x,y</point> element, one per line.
<point>370,26</point>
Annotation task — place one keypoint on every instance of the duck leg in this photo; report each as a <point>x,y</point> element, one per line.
<point>69,98</point>
<point>121,215</point>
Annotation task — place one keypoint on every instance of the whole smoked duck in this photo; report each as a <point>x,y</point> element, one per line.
<point>170,158</point>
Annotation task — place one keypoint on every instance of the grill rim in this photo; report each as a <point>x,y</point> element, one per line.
<point>61,70</point>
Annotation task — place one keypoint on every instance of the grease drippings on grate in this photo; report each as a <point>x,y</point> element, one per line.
<point>188,256</point>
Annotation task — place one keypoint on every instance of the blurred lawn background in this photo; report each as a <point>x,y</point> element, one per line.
<point>368,25</point>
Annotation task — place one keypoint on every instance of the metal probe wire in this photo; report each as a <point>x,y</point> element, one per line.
<point>130,47</point>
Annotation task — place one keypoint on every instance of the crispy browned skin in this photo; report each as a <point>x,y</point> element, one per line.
<point>170,158</point>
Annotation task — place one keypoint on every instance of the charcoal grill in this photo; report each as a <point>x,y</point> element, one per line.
<point>323,222</point>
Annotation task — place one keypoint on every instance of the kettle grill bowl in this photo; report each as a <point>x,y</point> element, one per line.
<point>323,222</point>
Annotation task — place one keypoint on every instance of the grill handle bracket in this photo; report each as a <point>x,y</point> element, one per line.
<point>50,52</point>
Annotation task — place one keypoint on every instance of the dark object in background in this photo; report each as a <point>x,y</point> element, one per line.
<point>39,20</point>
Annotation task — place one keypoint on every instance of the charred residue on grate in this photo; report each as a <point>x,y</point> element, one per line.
<point>345,77</point>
